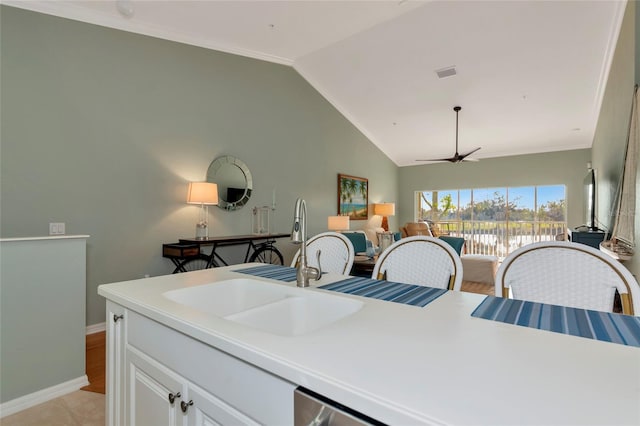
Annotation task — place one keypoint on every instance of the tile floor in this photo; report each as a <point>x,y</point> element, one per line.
<point>79,408</point>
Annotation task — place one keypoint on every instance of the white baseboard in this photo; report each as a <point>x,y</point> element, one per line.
<point>96,328</point>
<point>44,395</point>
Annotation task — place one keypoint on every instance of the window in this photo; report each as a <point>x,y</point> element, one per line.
<point>496,220</point>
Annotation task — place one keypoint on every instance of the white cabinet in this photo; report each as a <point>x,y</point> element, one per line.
<point>159,396</point>
<point>158,376</point>
<point>208,410</point>
<point>154,392</point>
<point>115,367</point>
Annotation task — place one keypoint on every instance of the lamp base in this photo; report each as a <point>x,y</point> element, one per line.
<point>202,231</point>
<point>385,223</point>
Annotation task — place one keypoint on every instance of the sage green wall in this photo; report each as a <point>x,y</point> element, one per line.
<point>42,333</point>
<point>610,140</point>
<point>102,129</point>
<point>564,167</point>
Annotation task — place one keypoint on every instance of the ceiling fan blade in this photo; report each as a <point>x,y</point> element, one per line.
<point>439,160</point>
<point>463,156</point>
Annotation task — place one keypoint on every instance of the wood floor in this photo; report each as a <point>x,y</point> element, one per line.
<point>95,362</point>
<point>96,347</point>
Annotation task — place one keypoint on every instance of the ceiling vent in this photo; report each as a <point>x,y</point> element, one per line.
<point>447,72</point>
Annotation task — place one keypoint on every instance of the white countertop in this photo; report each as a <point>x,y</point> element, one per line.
<point>402,364</point>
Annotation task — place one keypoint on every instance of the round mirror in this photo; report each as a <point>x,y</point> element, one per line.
<point>234,182</point>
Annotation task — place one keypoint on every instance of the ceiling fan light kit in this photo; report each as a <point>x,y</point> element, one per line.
<point>457,158</point>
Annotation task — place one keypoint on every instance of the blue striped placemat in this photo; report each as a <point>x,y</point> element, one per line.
<point>275,272</point>
<point>408,294</point>
<point>604,326</point>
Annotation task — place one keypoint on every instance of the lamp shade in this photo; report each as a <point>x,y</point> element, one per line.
<point>202,193</point>
<point>338,223</point>
<point>384,209</point>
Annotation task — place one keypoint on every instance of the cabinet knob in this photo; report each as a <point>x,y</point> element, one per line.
<point>172,397</point>
<point>184,406</point>
<point>117,317</point>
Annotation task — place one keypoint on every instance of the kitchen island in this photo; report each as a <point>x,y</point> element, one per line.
<point>396,363</point>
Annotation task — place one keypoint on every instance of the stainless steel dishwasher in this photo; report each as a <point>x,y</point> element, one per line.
<point>311,409</point>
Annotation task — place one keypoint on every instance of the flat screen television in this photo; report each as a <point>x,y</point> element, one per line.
<point>234,195</point>
<point>590,199</point>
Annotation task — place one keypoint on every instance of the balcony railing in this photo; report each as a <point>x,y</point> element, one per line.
<point>499,238</point>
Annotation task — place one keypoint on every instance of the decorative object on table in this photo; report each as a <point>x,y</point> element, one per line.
<point>338,223</point>
<point>260,220</point>
<point>233,179</point>
<point>385,239</point>
<point>371,251</point>
<point>353,197</point>
<point>622,244</point>
<point>457,158</point>
<point>385,210</point>
<point>205,194</point>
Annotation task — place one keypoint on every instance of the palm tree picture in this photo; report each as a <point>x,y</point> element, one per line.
<point>353,193</point>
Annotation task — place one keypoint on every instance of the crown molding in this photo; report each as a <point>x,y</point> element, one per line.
<point>70,11</point>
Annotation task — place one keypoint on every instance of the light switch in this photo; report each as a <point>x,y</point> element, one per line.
<point>56,228</point>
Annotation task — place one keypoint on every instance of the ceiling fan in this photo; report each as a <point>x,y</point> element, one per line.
<point>457,158</point>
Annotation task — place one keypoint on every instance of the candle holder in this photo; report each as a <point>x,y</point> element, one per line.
<point>261,220</point>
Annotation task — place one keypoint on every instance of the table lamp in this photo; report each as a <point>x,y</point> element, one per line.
<point>384,210</point>
<point>338,223</point>
<point>205,194</point>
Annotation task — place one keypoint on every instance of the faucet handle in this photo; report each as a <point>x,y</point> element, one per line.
<point>318,253</point>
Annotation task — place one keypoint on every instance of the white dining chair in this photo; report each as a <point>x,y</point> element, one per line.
<point>420,260</point>
<point>336,253</point>
<point>567,274</point>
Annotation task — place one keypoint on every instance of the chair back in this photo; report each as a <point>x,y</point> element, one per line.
<point>567,274</point>
<point>358,239</point>
<point>420,260</point>
<point>336,253</point>
<point>456,242</point>
<point>411,229</point>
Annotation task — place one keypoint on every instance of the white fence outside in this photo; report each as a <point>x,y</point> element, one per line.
<point>499,238</point>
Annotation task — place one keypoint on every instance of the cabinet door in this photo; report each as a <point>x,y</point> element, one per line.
<point>154,392</point>
<point>116,338</point>
<point>206,410</point>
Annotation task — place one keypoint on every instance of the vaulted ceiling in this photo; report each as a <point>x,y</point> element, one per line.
<point>528,74</point>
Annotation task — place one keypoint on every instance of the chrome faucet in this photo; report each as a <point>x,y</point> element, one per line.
<point>299,236</point>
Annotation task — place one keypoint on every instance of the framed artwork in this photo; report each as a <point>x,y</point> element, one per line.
<point>353,197</point>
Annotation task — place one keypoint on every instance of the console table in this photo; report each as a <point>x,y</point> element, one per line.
<point>188,249</point>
